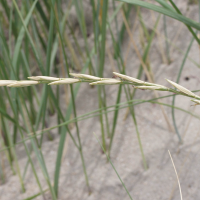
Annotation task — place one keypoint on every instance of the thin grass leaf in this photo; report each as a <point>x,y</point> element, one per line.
<point>137,130</point>
<point>113,167</point>
<point>164,11</point>
<point>42,14</point>
<point>35,195</point>
<point>30,39</point>
<point>165,5</point>
<point>189,28</point>
<point>177,81</point>
<point>21,35</point>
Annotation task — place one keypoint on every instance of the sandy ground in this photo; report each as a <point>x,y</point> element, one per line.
<point>159,181</point>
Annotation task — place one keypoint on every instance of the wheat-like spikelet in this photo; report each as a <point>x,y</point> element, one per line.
<point>182,89</point>
<point>6,82</point>
<point>65,81</point>
<point>85,76</point>
<point>24,83</point>
<point>43,78</point>
<point>111,81</point>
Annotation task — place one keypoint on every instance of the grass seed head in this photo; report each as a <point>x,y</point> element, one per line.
<point>65,81</point>
<point>24,83</point>
<point>197,102</point>
<point>128,78</point>
<point>43,78</point>
<point>85,76</point>
<point>181,88</point>
<point>109,81</point>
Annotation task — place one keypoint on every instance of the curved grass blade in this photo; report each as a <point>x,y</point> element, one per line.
<point>165,4</point>
<point>189,28</point>
<point>177,81</point>
<point>164,11</point>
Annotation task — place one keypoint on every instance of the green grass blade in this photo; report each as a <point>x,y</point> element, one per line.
<point>165,4</point>
<point>42,14</point>
<point>30,39</point>
<point>128,96</point>
<point>121,33</point>
<point>48,62</point>
<point>6,9</point>
<point>164,11</point>
<point>21,35</point>
<point>16,160</point>
<point>81,19</point>
<point>101,64</point>
<point>189,28</point>
<point>113,167</point>
<point>115,117</point>
<point>177,81</point>
<point>36,195</point>
<point>166,41</point>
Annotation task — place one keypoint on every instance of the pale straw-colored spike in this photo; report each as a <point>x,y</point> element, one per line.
<point>85,76</point>
<point>6,82</point>
<point>43,78</point>
<point>182,89</point>
<point>128,78</point>
<point>23,83</point>
<point>196,101</point>
<point>110,81</point>
<point>156,87</point>
<point>179,185</point>
<point>65,81</point>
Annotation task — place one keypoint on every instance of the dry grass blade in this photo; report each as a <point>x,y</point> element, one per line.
<point>176,175</point>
